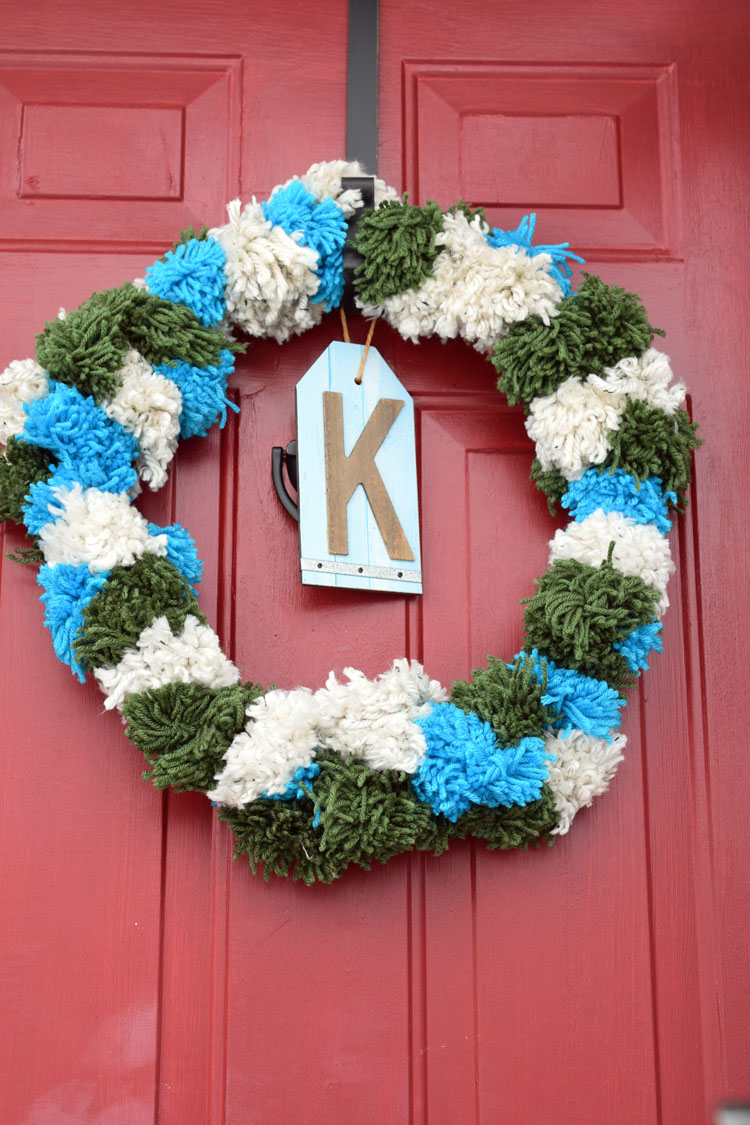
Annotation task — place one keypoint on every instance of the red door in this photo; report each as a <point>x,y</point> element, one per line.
<point>146,976</point>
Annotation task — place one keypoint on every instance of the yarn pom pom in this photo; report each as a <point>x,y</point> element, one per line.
<point>397,242</point>
<point>637,646</point>
<point>193,275</point>
<point>181,551</point>
<point>650,443</point>
<point>22,467</point>
<point>582,770</point>
<point>184,729</point>
<point>579,612</point>
<point>67,591</point>
<point>577,700</point>
<point>618,491</point>
<point>204,393</point>
<point>319,225</point>
<point>521,237</point>
<point>595,329</point>
<point>21,382</point>
<point>463,765</point>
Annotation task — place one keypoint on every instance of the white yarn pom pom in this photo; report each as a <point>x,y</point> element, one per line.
<point>571,427</point>
<point>148,405</point>
<point>373,720</point>
<point>324,182</point>
<point>582,770</point>
<point>477,291</point>
<point>194,657</point>
<point>22,381</point>
<point>647,377</point>
<point>97,529</point>
<point>270,276</point>
<point>279,737</point>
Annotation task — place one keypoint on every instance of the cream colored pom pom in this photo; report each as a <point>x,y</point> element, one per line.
<point>22,381</point>
<point>97,529</point>
<point>571,427</point>
<point>148,405</point>
<point>270,276</point>
<point>582,770</point>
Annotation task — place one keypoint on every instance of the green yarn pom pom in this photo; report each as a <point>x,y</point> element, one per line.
<point>579,612</point>
<point>133,596</point>
<point>184,730</point>
<point>596,328</point>
<point>551,482</point>
<point>23,465</point>
<point>509,699</point>
<point>87,348</point>
<point>366,816</point>
<point>516,827</point>
<point>397,242</point>
<point>651,443</point>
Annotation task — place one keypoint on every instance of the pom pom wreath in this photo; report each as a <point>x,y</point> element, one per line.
<point>319,225</point>
<point>582,769</point>
<point>181,551</point>
<point>270,278</point>
<point>366,817</point>
<point>463,764</point>
<point>651,443</point>
<point>634,548</point>
<point>21,382</point>
<point>397,242</point>
<point>95,450</point>
<point>572,426</point>
<point>160,657</point>
<point>193,275</point>
<point>67,591</point>
<point>637,646</point>
<point>474,291</point>
<point>618,491</point>
<point>184,729</point>
<point>21,468</point>
<point>578,700</point>
<point>203,391</point>
<point>579,612</point>
<point>595,329</point>
<point>147,405</point>
<point>133,597</point>
<point>559,254</point>
<point>507,696</point>
<point>646,378</point>
<point>96,529</point>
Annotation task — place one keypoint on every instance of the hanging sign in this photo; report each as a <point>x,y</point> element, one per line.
<point>357,475</point>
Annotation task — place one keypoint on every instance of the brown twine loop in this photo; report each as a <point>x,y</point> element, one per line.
<point>363,361</point>
<point>348,340</point>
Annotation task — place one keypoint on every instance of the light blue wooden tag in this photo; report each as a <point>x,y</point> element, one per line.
<point>367,565</point>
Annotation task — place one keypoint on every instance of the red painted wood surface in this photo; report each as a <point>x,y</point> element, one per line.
<point>147,978</point>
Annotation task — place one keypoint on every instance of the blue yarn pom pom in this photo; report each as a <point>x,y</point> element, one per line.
<point>67,591</point>
<point>638,644</point>
<point>181,551</point>
<point>204,393</point>
<point>464,766</point>
<point>92,450</point>
<point>97,449</point>
<point>192,274</point>
<point>320,225</point>
<point>521,238</point>
<point>619,491</point>
<point>584,703</point>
